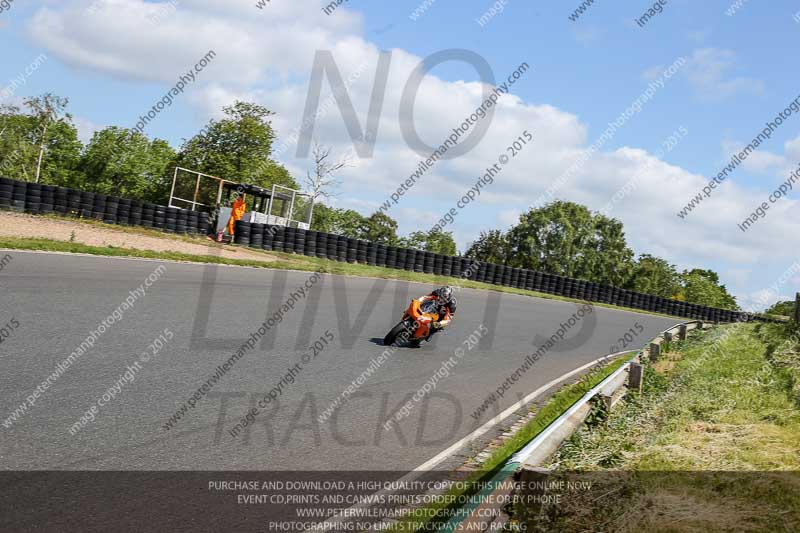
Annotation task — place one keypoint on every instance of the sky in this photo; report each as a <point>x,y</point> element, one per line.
<point>730,75</point>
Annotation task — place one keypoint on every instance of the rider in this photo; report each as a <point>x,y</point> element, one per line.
<point>446,307</point>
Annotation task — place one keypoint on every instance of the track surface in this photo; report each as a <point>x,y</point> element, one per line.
<point>59,299</point>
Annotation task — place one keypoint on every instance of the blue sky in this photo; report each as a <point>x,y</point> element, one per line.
<point>114,63</point>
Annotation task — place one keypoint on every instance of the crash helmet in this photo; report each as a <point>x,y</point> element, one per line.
<point>445,294</point>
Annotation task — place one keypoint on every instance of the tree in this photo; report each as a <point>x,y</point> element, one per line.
<point>612,260</point>
<point>276,173</point>
<point>702,287</point>
<point>338,221</point>
<point>323,180</point>
<point>62,164</point>
<point>565,238</point>
<point>491,247</point>
<point>438,242</point>
<point>379,228</point>
<point>21,148</point>
<point>237,148</point>
<point>126,163</point>
<point>17,152</point>
<point>785,308</point>
<point>653,275</point>
<point>46,110</point>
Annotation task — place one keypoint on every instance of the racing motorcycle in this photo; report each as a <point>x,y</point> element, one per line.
<point>415,326</point>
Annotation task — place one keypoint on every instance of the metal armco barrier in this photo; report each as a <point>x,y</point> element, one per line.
<point>346,249</point>
<point>38,199</point>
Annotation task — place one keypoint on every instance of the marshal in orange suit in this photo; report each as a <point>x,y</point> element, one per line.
<point>238,209</point>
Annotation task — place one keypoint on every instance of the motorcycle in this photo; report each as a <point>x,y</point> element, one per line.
<point>415,326</point>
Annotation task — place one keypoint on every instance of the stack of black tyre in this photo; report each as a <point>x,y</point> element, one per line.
<point>204,223</point>
<point>341,247</point>
<point>38,199</point>
<point>47,205</point>
<point>86,205</point>
<point>20,192</point>
<point>123,211</point>
<point>278,238</point>
<point>6,193</point>
<point>192,222</point>
<point>159,217</point>
<point>148,214</point>
<point>322,245</point>
<point>171,220</point>
<point>257,235</point>
<point>242,233</point>
<point>181,221</point>
<point>33,198</point>
<point>288,239</point>
<point>61,201</point>
<point>268,239</point>
<point>99,206</point>
<point>311,244</point>
<point>111,211</point>
<point>135,213</point>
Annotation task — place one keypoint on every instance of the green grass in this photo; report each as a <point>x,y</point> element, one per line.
<point>285,261</point>
<point>50,245</point>
<point>783,352</point>
<point>546,415</point>
<point>713,445</point>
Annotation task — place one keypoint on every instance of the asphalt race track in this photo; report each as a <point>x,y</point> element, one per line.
<point>59,299</point>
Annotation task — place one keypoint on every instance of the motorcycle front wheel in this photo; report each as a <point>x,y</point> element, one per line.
<point>395,333</point>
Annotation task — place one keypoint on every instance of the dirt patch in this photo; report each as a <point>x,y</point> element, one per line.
<point>96,234</point>
<point>666,363</point>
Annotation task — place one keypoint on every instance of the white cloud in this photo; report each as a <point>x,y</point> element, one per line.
<point>587,34</point>
<point>710,71</point>
<point>792,148</point>
<point>759,161</point>
<point>118,38</point>
<point>698,36</point>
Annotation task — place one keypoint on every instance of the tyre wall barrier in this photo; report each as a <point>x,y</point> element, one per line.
<point>349,250</point>
<point>38,199</point>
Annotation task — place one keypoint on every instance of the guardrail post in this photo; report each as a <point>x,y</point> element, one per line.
<point>797,309</point>
<point>682,332</point>
<point>655,351</point>
<point>635,378</point>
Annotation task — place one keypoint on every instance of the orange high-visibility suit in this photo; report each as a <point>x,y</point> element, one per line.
<point>238,209</point>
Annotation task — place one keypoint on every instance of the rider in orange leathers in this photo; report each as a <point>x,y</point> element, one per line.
<point>446,307</point>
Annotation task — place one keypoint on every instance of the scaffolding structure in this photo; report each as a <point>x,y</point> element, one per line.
<point>281,205</point>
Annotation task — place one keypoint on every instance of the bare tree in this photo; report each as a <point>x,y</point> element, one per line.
<point>323,180</point>
<point>46,110</point>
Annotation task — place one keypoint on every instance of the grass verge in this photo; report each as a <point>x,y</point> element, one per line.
<point>286,261</point>
<point>553,408</point>
<point>713,445</point>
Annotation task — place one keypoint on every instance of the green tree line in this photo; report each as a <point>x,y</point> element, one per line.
<point>567,239</point>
